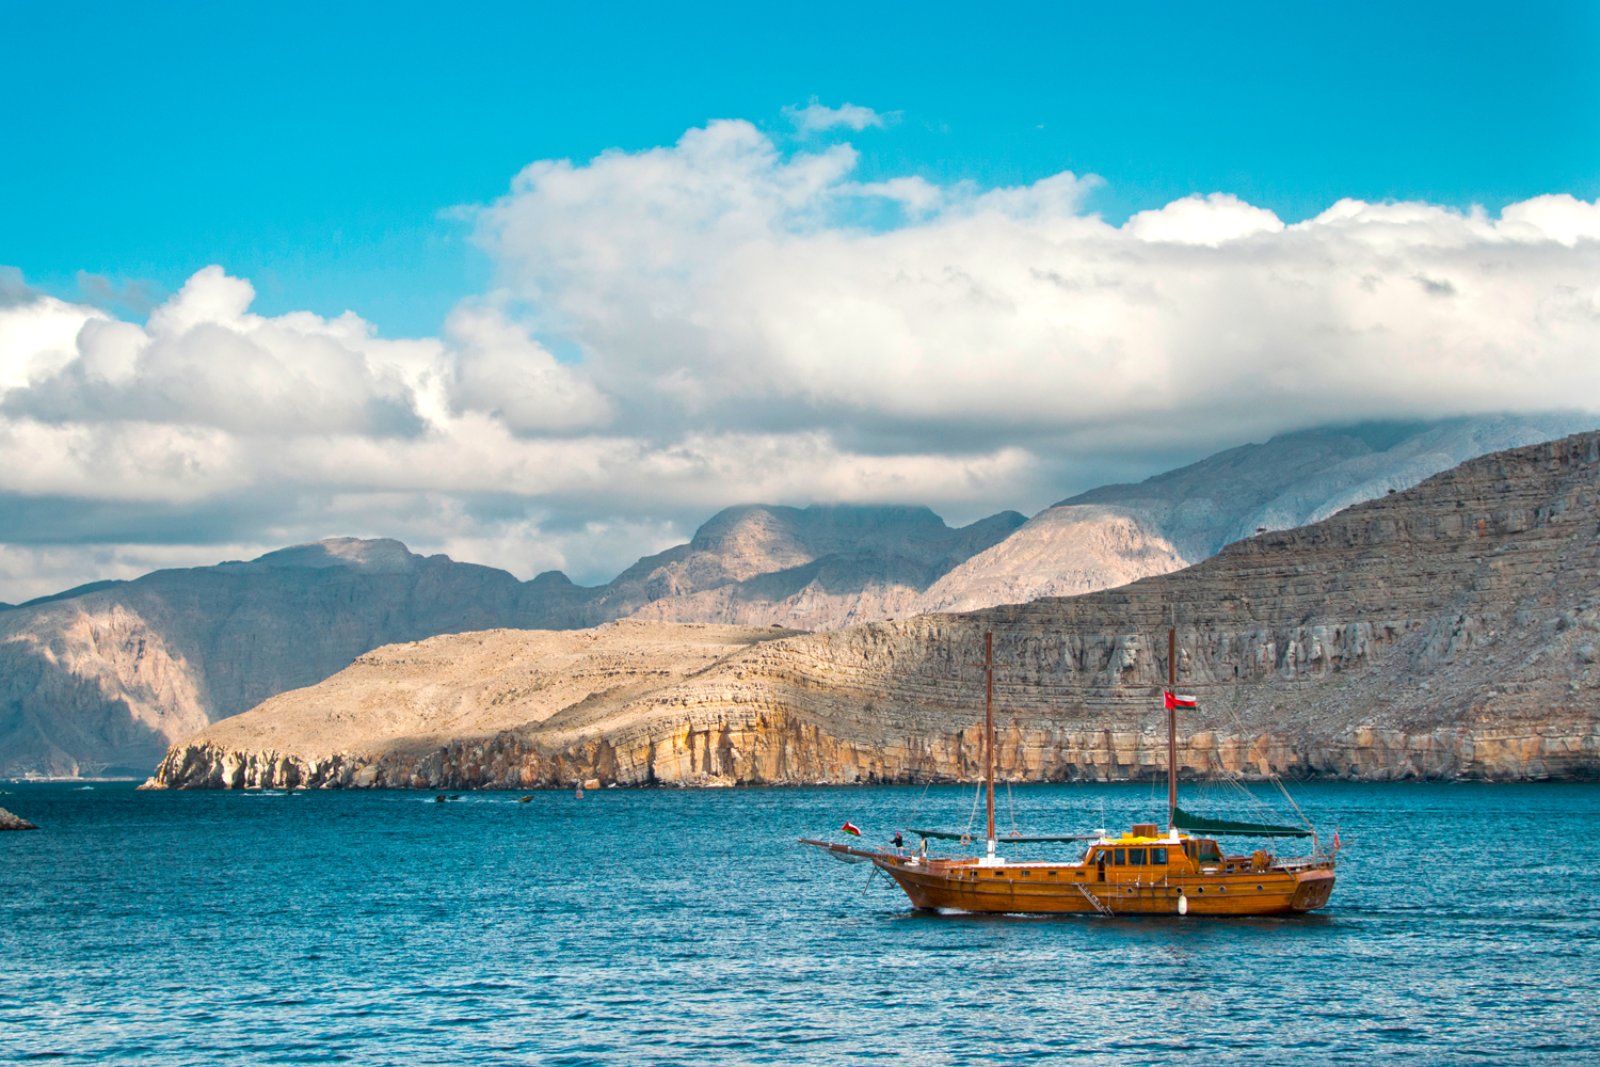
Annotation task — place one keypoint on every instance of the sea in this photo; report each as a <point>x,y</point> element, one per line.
<point>648,926</point>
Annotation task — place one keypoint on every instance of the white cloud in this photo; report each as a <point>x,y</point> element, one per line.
<point>1562,218</point>
<point>739,323</point>
<point>38,337</point>
<point>1203,220</point>
<point>815,117</point>
<point>737,284</point>
<point>497,369</point>
<point>204,360</point>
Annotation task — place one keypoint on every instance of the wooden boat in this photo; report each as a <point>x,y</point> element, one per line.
<point>1182,871</point>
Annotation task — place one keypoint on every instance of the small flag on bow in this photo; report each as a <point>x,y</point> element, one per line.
<point>851,828</point>
<point>1176,701</point>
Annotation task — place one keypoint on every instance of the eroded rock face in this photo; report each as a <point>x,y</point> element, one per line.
<point>9,821</point>
<point>1066,550</point>
<point>1446,631</point>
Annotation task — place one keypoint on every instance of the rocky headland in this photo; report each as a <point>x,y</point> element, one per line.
<point>9,821</point>
<point>1450,630</point>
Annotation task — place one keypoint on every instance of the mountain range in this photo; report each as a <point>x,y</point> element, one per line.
<point>101,679</point>
<point>1449,630</point>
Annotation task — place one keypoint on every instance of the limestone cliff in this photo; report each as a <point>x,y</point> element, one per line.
<point>1452,629</point>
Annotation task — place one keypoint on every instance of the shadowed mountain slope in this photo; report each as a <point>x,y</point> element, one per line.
<point>1118,533</point>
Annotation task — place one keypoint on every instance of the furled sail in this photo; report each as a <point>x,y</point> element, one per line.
<point>1198,824</point>
<point>957,835</point>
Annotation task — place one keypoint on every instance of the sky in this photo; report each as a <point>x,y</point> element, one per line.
<point>545,287</point>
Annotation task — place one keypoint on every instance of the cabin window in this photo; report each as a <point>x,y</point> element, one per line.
<point>1208,851</point>
<point>1158,856</point>
<point>1121,855</point>
<point>1027,874</point>
<point>1136,857</point>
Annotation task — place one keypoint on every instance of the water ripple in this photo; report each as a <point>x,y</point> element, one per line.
<point>687,928</point>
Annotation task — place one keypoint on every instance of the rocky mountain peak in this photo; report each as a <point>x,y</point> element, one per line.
<point>382,555</point>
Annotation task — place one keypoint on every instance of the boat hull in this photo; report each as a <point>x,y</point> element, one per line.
<point>970,886</point>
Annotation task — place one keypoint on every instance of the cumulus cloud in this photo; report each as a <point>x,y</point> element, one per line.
<point>738,283</point>
<point>1202,220</point>
<point>499,370</point>
<point>738,322</point>
<point>204,360</point>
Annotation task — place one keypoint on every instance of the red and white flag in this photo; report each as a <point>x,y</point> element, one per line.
<point>1176,701</point>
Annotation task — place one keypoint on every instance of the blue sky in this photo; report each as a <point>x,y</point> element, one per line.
<point>316,148</point>
<point>611,268</point>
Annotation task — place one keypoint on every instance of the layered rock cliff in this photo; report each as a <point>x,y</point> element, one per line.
<point>1449,630</point>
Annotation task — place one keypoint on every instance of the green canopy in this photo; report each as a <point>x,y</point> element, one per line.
<point>1197,824</point>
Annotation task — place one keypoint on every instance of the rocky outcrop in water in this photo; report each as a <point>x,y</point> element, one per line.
<point>1450,630</point>
<point>9,821</point>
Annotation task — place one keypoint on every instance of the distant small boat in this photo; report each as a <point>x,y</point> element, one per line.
<point>1142,872</point>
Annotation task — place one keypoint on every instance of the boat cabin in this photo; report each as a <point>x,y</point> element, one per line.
<point>1143,853</point>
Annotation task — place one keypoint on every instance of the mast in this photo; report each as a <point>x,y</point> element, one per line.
<point>988,730</point>
<point>1172,728</point>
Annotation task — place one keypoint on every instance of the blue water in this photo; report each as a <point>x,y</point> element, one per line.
<point>681,927</point>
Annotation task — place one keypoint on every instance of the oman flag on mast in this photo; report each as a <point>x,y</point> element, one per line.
<point>1174,700</point>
